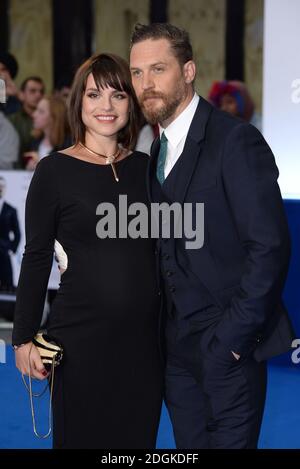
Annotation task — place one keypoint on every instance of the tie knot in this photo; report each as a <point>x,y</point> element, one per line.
<point>163,138</point>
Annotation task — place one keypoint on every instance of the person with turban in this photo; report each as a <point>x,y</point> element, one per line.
<point>233,97</point>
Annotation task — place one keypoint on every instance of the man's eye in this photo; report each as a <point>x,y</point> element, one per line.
<point>158,69</point>
<point>136,73</point>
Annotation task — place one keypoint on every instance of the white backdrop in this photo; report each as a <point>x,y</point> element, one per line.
<point>281,90</point>
<point>17,184</point>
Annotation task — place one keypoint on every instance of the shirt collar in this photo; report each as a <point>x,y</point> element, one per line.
<point>180,126</point>
<point>1,204</point>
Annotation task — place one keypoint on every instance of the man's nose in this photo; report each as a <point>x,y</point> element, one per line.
<point>147,82</point>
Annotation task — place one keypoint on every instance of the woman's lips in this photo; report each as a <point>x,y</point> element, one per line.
<point>103,118</point>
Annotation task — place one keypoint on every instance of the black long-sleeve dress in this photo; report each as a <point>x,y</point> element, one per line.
<point>108,389</point>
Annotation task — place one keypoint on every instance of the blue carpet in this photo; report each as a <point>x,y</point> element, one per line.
<point>16,425</point>
<point>280,425</point>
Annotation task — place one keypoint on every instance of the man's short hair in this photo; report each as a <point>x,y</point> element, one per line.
<point>179,38</point>
<point>33,78</point>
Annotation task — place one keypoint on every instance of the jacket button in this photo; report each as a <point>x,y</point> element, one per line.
<point>169,273</point>
<point>172,289</point>
<point>166,257</point>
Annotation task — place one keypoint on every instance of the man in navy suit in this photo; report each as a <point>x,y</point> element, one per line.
<point>9,238</point>
<point>224,313</point>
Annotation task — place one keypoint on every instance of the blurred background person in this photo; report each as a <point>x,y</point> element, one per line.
<point>8,72</point>
<point>31,92</point>
<point>62,90</point>
<point>9,238</point>
<point>51,120</point>
<point>9,142</point>
<point>233,97</point>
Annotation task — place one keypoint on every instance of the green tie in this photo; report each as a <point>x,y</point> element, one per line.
<point>161,160</point>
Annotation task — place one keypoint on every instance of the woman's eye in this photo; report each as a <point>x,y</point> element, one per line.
<point>92,95</point>
<point>120,96</point>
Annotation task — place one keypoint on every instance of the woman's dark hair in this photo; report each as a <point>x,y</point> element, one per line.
<point>107,70</point>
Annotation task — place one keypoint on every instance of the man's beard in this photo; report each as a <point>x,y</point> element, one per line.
<point>155,115</point>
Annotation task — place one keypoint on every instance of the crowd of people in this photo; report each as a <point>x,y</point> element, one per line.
<point>33,124</point>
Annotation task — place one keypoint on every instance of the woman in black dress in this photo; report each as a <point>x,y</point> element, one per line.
<point>108,389</point>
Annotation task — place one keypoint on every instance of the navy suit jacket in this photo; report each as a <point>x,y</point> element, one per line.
<point>9,224</point>
<point>243,263</point>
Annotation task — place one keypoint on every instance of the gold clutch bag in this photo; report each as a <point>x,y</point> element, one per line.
<point>51,352</point>
<point>51,355</point>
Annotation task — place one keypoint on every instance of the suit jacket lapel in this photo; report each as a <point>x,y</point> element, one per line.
<point>192,148</point>
<point>3,211</point>
<point>186,166</point>
<point>191,152</point>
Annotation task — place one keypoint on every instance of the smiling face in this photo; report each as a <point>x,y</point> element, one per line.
<point>104,110</point>
<point>163,86</point>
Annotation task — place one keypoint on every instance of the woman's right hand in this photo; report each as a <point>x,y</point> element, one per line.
<point>29,352</point>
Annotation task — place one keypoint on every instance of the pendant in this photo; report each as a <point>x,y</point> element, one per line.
<point>110,159</point>
<point>115,172</point>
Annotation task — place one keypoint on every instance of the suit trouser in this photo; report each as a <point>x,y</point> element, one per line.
<point>214,400</point>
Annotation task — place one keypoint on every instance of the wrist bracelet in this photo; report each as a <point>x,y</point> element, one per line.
<point>16,347</point>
